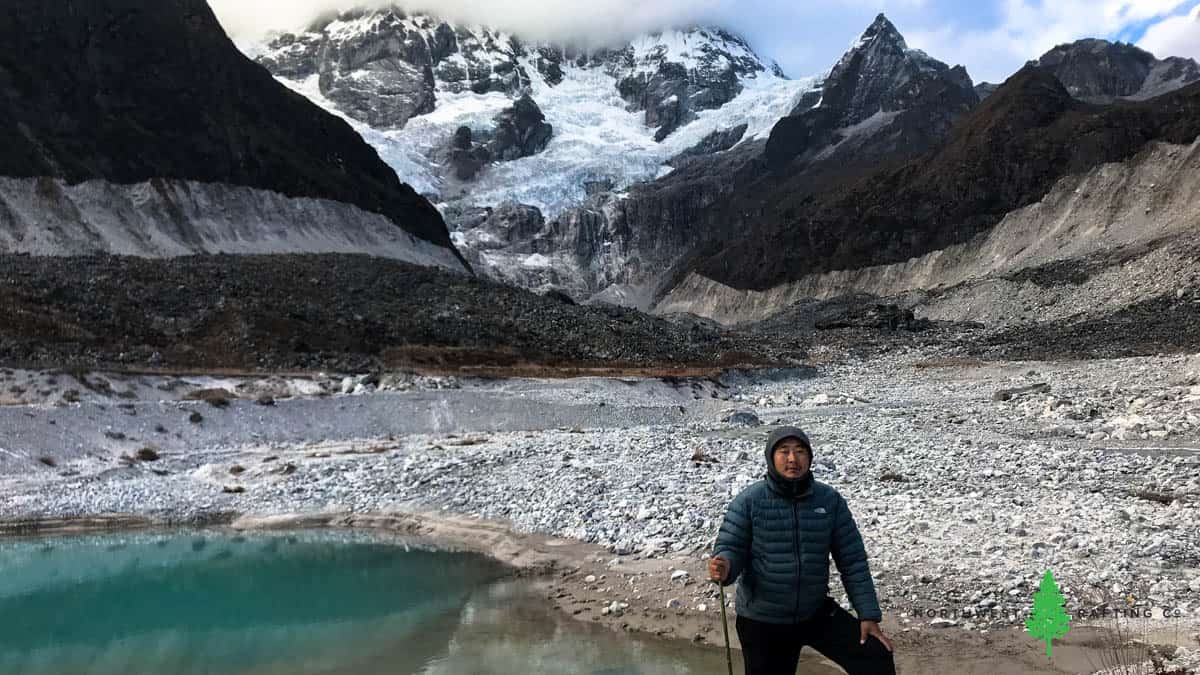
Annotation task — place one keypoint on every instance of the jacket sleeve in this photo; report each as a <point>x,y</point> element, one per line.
<point>733,540</point>
<point>850,556</point>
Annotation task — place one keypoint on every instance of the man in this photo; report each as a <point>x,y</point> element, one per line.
<point>776,541</point>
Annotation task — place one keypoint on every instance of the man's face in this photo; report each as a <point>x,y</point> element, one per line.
<point>791,458</point>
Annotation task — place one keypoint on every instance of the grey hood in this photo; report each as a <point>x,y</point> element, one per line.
<point>791,488</point>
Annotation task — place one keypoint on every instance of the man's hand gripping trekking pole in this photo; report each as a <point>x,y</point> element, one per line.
<point>718,569</point>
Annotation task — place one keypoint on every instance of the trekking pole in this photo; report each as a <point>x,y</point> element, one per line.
<point>725,626</point>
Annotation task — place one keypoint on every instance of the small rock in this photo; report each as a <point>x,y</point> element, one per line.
<point>147,454</point>
<point>1009,394</point>
<point>743,418</point>
<point>679,574</point>
<point>590,579</point>
<point>217,398</point>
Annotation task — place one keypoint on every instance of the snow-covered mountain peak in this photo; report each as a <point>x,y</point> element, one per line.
<point>698,47</point>
<point>411,83</point>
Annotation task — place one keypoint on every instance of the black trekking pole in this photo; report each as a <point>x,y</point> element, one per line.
<point>725,626</point>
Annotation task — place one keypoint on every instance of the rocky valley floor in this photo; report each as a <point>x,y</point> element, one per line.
<point>968,479</point>
<point>334,312</point>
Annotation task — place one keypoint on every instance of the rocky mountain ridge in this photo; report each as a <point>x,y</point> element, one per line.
<point>383,67</point>
<point>1099,71</point>
<point>1004,155</point>
<point>877,87</point>
<point>627,248</point>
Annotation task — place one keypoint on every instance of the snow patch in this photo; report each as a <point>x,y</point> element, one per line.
<point>535,261</point>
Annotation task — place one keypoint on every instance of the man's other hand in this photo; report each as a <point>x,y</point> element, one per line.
<point>872,628</point>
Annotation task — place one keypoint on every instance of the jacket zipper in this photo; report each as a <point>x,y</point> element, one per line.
<point>796,543</point>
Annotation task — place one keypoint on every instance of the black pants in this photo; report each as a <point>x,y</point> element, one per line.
<point>774,649</point>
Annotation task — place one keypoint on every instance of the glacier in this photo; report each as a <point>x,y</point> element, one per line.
<point>596,136</point>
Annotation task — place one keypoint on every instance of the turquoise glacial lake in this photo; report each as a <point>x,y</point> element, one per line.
<point>298,603</point>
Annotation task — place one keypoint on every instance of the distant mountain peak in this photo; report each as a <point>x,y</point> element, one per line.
<point>883,31</point>
<point>1099,71</point>
<point>875,82</point>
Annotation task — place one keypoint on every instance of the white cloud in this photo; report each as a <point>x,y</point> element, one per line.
<point>1174,36</point>
<point>1028,29</point>
<point>806,37</point>
<point>594,21</point>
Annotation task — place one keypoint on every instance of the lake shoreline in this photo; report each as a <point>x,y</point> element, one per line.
<point>561,568</point>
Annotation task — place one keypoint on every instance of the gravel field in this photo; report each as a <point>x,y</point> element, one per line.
<point>968,479</point>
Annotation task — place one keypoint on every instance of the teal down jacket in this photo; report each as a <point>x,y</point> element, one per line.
<point>779,546</point>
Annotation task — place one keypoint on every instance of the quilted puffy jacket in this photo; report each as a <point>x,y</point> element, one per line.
<point>778,536</point>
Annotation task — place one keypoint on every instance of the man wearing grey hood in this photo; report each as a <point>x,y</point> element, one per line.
<point>776,541</point>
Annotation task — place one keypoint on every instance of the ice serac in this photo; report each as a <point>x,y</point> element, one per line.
<point>198,120</point>
<point>880,98</point>
<point>1100,71</point>
<point>518,131</point>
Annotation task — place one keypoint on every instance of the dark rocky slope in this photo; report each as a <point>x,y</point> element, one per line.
<point>1006,154</point>
<point>129,91</point>
<point>1099,71</point>
<point>337,312</point>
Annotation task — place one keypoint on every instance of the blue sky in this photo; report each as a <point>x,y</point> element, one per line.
<point>992,38</point>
